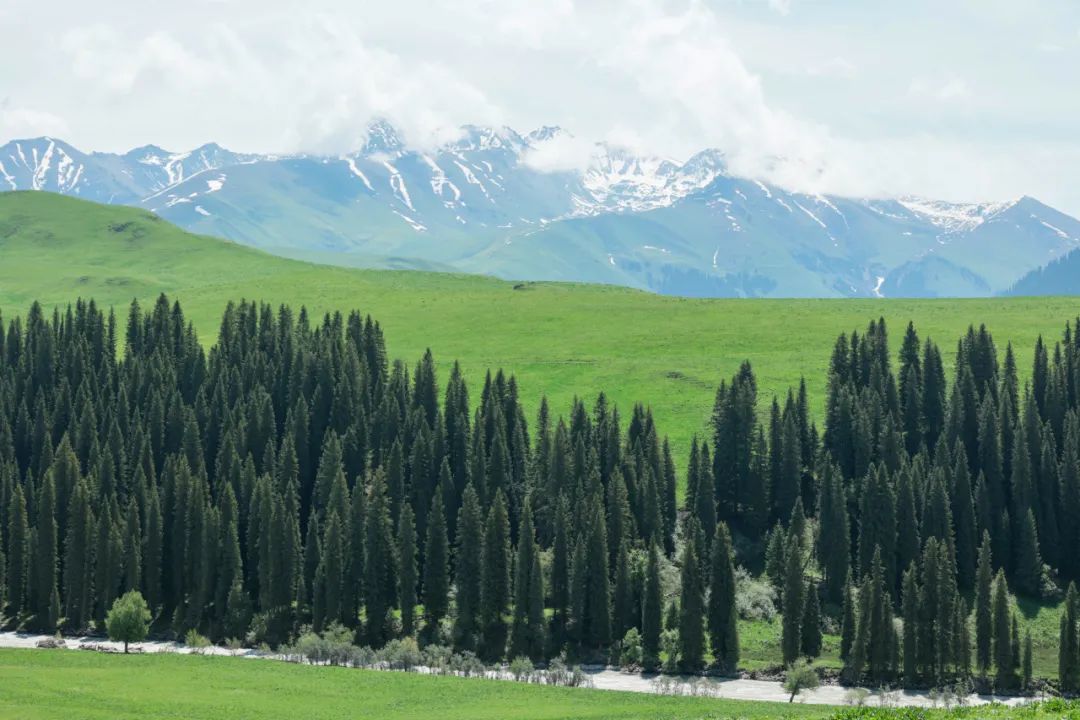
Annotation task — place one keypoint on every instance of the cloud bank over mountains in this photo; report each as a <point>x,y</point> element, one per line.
<point>962,102</point>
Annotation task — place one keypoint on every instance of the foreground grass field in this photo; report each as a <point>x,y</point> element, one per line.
<point>38,685</point>
<point>41,685</point>
<point>560,339</point>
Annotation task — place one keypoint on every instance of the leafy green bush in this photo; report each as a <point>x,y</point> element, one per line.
<point>196,641</point>
<point>755,598</point>
<point>521,668</point>
<point>800,676</point>
<point>630,651</point>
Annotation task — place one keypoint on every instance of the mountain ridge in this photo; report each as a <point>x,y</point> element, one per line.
<point>477,203</point>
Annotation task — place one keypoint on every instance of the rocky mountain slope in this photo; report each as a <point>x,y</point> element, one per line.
<point>482,203</point>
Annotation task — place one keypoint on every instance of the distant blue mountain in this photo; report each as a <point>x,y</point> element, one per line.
<point>480,204</point>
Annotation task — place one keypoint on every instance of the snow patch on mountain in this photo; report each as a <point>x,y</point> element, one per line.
<point>954,217</point>
<point>1056,230</point>
<point>351,162</point>
<point>10,179</point>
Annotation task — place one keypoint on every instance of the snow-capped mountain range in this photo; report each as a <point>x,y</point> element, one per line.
<point>480,204</point>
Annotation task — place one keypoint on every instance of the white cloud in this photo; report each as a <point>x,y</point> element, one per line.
<point>835,66</point>
<point>757,79</point>
<point>946,89</point>
<point>529,22</point>
<point>424,100</point>
<point>316,80</point>
<point>101,55</point>
<point>17,121</point>
<point>781,6</point>
<point>561,152</point>
<point>698,88</point>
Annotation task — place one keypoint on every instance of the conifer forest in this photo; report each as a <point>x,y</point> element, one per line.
<point>293,476</point>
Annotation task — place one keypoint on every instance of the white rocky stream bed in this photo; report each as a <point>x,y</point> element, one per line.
<point>608,679</point>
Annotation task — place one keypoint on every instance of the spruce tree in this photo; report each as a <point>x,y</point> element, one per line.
<point>834,534</point>
<point>78,558</point>
<point>691,610</point>
<point>380,582</point>
<point>984,623</point>
<point>963,644</point>
<point>794,588</point>
<point>1014,644</point>
<point>332,570</point>
<point>230,571</point>
<point>907,527</point>
<point>882,636</point>
<point>18,553</point>
<point>597,588</point>
<point>132,548</point>
<point>651,610</point>
<point>723,615</point>
<point>1068,646</point>
<point>560,576</point>
<point>847,623</point>
<point>467,570</point>
<point>964,523</point>
<point>1027,660</point>
<point>436,585</point>
<point>406,574</point>
<point>811,622</point>
<point>1028,564</point>
<point>152,551</point>
<point>495,579</point>
<point>520,642</point>
<point>624,613</point>
<point>1003,654</point>
<point>910,595</point>
<point>45,560</point>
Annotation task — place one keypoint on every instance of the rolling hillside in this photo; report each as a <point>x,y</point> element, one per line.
<point>1059,277</point>
<point>560,339</point>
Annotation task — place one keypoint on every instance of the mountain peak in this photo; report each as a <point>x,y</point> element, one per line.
<point>381,137</point>
<point>148,155</point>
<point>477,137</point>
<point>547,132</point>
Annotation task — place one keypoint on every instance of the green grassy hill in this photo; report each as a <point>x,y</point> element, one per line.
<point>560,339</point>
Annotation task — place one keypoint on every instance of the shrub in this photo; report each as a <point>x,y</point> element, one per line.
<point>856,697</point>
<point>669,646</point>
<point>559,674</point>
<point>271,628</point>
<point>630,654</point>
<point>197,642</point>
<point>521,668</point>
<point>437,658</point>
<point>400,654</point>
<point>467,664</point>
<point>755,598</point>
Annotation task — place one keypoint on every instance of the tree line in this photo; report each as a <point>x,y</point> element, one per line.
<point>295,476</point>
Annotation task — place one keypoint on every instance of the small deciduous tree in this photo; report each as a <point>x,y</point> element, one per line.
<point>800,676</point>
<point>128,620</point>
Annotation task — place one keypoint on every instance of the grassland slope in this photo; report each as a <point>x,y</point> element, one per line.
<point>560,339</point>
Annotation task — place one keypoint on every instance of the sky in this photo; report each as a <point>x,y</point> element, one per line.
<point>953,99</point>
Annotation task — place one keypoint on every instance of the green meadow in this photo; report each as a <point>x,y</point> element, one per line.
<point>41,685</point>
<point>560,339</point>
